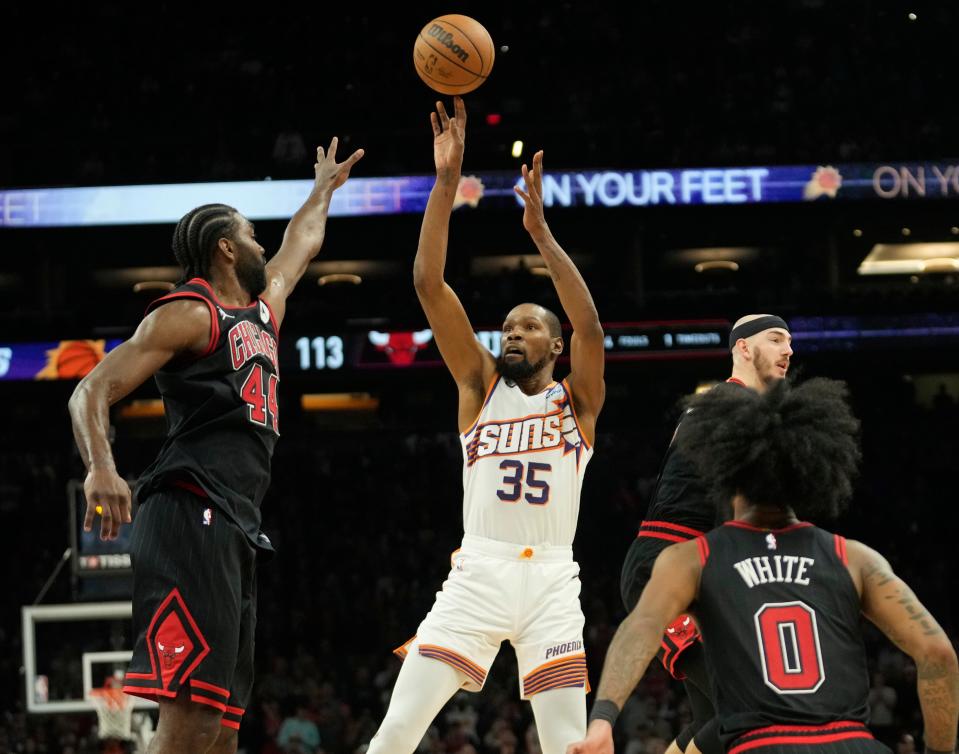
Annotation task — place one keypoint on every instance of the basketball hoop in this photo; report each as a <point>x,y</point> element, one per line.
<point>114,712</point>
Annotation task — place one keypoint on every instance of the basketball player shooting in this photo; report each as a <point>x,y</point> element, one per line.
<point>778,599</point>
<point>212,344</point>
<point>526,441</point>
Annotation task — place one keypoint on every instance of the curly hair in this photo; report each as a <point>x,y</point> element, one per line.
<point>791,447</point>
<point>197,233</point>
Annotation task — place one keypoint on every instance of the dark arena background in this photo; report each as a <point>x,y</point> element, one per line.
<point>703,162</point>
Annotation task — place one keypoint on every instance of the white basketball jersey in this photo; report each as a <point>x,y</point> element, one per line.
<point>523,465</point>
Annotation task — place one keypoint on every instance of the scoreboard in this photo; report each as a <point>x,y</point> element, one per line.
<point>375,349</point>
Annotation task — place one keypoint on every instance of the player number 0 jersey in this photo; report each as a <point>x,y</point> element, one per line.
<point>523,464</point>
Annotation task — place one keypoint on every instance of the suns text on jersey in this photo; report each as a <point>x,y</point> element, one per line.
<point>247,340</point>
<point>529,434</point>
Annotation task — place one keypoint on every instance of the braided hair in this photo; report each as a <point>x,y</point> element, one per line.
<point>795,447</point>
<point>196,235</point>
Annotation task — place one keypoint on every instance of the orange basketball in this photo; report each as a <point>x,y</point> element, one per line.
<point>77,359</point>
<point>453,54</point>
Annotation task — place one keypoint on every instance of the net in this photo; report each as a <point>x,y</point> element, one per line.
<point>114,713</point>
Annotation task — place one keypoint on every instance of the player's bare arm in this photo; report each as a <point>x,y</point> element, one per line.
<point>587,351</point>
<point>304,235</point>
<point>671,589</point>
<point>179,328</point>
<point>471,365</point>
<point>889,603</point>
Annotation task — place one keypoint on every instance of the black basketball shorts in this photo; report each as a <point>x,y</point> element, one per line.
<point>841,737</point>
<point>194,604</point>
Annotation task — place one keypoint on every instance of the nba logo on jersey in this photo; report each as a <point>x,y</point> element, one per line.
<point>207,516</point>
<point>770,541</point>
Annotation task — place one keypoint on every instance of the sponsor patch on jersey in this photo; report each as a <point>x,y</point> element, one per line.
<point>557,388</point>
<point>264,313</point>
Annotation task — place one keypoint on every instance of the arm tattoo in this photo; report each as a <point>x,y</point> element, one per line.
<point>633,647</point>
<point>938,687</point>
<point>908,600</point>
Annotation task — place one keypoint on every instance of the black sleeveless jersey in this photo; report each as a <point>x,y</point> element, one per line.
<point>221,410</point>
<point>682,507</point>
<point>780,619</point>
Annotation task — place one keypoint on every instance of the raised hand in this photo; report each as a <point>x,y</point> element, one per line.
<point>449,137</point>
<point>533,218</point>
<point>330,174</point>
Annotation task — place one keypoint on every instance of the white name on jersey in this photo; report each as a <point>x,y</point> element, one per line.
<point>778,569</point>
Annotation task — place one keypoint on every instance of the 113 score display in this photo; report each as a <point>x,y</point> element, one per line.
<point>320,352</point>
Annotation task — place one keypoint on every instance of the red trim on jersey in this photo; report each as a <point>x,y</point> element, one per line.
<point>800,734</point>
<point>703,547</point>
<point>737,381</point>
<point>229,724</point>
<point>841,548</point>
<point>191,487</point>
<point>675,527</point>
<point>205,284</point>
<point>661,535</point>
<point>214,318</point>
<point>750,527</point>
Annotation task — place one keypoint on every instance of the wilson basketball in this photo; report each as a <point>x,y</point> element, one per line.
<point>453,54</point>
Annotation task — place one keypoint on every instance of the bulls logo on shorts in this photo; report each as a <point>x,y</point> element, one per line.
<point>176,644</point>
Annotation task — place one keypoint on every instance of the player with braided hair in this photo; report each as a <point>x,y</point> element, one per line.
<point>212,345</point>
<point>194,232</point>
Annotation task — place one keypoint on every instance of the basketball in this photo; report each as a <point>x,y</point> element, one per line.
<point>453,54</point>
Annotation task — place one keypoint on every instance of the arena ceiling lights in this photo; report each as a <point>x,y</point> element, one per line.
<point>910,259</point>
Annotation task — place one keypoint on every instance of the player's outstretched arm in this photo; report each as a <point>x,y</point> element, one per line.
<point>177,328</point>
<point>889,603</point>
<point>671,589</point>
<point>587,351</point>
<point>307,228</point>
<point>471,365</point>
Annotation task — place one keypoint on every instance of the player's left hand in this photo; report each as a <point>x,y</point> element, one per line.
<point>330,174</point>
<point>599,740</point>
<point>533,218</point>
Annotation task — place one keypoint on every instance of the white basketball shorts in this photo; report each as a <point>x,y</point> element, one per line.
<point>498,591</point>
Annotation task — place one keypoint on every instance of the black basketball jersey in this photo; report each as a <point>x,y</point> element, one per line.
<point>221,410</point>
<point>780,620</point>
<point>681,507</point>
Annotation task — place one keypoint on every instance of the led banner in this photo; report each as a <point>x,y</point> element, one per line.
<point>348,351</point>
<point>275,200</point>
<point>57,360</point>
